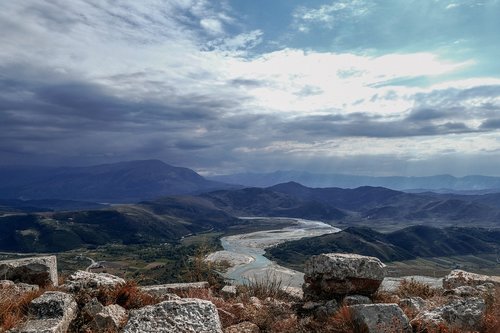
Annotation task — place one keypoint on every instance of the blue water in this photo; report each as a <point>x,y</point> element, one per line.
<point>258,241</point>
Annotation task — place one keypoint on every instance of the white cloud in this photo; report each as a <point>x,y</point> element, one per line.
<point>212,26</point>
<point>328,15</point>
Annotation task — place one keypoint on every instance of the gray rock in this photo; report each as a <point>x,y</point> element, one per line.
<point>414,304</point>
<point>87,280</point>
<point>41,271</point>
<point>462,314</point>
<point>167,291</point>
<point>335,275</point>
<point>356,299</point>
<point>104,318</point>
<point>228,291</point>
<point>294,293</point>
<point>52,312</point>
<point>391,284</point>
<point>463,291</point>
<point>244,327</point>
<point>327,309</point>
<point>18,288</point>
<point>187,315</point>
<point>380,318</point>
<point>459,278</point>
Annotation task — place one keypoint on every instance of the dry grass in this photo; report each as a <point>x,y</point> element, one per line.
<point>269,285</point>
<point>340,322</point>
<point>412,288</point>
<point>14,306</point>
<point>491,320</point>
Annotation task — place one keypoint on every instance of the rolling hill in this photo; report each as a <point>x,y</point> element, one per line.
<point>255,201</point>
<point>408,243</point>
<point>148,222</point>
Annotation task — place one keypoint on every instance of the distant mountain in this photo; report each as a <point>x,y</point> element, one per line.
<point>118,182</point>
<point>404,244</point>
<point>266,202</point>
<point>443,183</point>
<point>378,203</point>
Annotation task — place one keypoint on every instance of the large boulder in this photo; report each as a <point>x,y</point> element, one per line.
<point>335,275</point>
<point>87,280</point>
<point>463,314</point>
<point>380,318</point>
<point>458,278</point>
<point>41,271</point>
<point>187,315</point>
<point>52,312</point>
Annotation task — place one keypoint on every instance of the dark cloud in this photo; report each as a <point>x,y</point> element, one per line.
<point>366,125</point>
<point>491,124</point>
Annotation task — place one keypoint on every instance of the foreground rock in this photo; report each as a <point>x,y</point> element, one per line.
<point>458,278</point>
<point>335,275</point>
<point>188,315</point>
<point>50,313</point>
<point>87,280</point>
<point>168,291</point>
<point>380,318</point>
<point>462,314</point>
<point>18,288</point>
<point>41,271</point>
<point>104,318</point>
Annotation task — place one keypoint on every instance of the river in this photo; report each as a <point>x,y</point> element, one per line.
<point>246,251</point>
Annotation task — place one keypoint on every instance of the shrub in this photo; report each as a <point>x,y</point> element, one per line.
<point>269,285</point>
<point>412,288</point>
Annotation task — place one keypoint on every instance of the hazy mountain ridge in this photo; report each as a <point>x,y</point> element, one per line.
<point>118,182</point>
<point>446,183</point>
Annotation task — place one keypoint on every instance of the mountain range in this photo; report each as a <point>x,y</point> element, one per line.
<point>370,205</point>
<point>52,209</point>
<point>118,182</point>
<point>439,183</point>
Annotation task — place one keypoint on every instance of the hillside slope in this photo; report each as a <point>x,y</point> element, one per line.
<point>148,222</point>
<point>404,244</point>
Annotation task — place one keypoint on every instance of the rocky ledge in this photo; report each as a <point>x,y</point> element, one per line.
<point>340,294</point>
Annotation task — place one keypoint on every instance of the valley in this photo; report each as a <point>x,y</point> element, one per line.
<point>149,237</point>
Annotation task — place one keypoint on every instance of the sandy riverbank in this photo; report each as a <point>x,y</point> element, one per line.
<point>245,252</point>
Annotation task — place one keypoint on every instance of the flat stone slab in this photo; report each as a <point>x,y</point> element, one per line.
<point>391,284</point>
<point>187,315</point>
<point>84,280</point>
<point>160,290</point>
<point>41,271</point>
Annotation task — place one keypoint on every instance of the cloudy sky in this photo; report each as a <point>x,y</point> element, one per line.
<point>373,87</point>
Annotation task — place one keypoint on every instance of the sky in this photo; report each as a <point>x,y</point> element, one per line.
<point>369,87</point>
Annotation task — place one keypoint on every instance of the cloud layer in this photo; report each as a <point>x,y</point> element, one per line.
<point>202,84</point>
